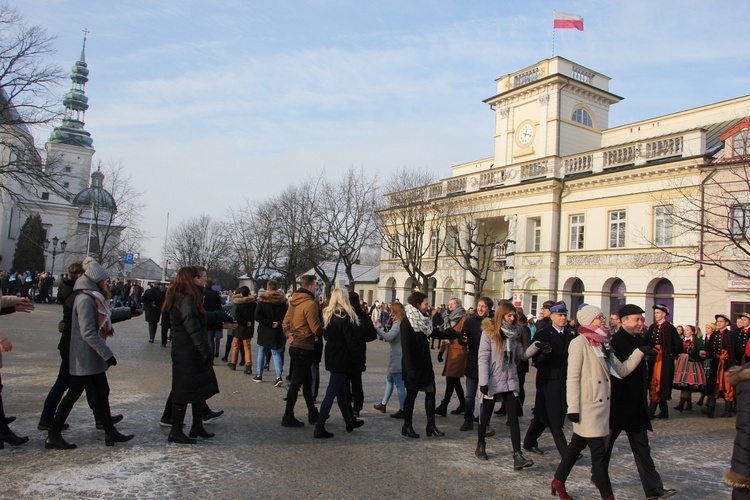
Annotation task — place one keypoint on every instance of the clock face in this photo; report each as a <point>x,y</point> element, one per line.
<point>526,134</point>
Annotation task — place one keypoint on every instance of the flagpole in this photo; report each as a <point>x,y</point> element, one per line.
<point>553,33</point>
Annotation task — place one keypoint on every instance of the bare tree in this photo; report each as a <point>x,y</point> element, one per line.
<point>348,212</point>
<point>198,241</point>
<point>26,102</point>
<point>250,232</point>
<point>410,224</point>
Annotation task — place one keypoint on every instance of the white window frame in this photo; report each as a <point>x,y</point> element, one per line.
<point>663,225</point>
<point>739,218</point>
<point>434,242</point>
<point>617,228</point>
<point>451,240</point>
<point>584,117</point>
<point>741,143</point>
<point>536,245</point>
<point>576,239</point>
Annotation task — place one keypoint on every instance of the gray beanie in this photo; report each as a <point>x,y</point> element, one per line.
<point>587,315</point>
<point>94,271</point>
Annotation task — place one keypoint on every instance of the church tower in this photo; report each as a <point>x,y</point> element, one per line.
<point>70,145</point>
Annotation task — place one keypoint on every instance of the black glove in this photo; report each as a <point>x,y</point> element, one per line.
<point>440,357</point>
<point>647,351</point>
<point>574,417</point>
<point>224,317</point>
<point>206,353</point>
<point>484,389</point>
<point>111,361</point>
<point>546,348</point>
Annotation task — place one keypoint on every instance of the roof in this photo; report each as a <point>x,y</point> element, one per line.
<point>361,273</point>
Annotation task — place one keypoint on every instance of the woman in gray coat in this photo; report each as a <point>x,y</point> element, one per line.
<point>499,350</point>
<point>90,357</point>
<point>393,376</point>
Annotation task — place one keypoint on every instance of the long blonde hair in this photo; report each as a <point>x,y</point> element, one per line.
<point>339,305</point>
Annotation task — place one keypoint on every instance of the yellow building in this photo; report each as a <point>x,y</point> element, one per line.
<point>580,211</point>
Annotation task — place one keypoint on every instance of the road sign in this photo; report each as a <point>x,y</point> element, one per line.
<point>128,258</point>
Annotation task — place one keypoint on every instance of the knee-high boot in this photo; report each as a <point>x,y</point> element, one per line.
<point>177,435</point>
<point>710,408</point>
<point>432,430</point>
<point>408,429</point>
<point>681,405</point>
<point>197,429</point>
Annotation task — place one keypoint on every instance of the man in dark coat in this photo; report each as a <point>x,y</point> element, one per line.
<point>663,337</point>
<point>212,303</point>
<point>551,376</point>
<point>153,298</point>
<point>720,350</point>
<point>739,474</point>
<point>628,409</point>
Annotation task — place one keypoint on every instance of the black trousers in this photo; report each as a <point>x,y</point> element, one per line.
<point>453,384</point>
<point>357,392</point>
<point>77,386</point>
<point>599,462</point>
<point>511,406</point>
<point>547,415</point>
<point>152,329</point>
<point>429,404</point>
<point>301,377</point>
<point>650,479</point>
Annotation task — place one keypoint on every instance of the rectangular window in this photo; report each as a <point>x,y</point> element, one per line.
<point>394,247</point>
<point>67,169</point>
<point>534,305</point>
<point>66,184</point>
<point>617,229</point>
<point>533,234</point>
<point>740,221</point>
<point>741,143</point>
<point>576,232</point>
<point>45,196</point>
<point>451,240</point>
<point>434,242</point>
<point>663,223</point>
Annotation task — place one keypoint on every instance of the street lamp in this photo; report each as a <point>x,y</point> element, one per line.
<point>55,241</point>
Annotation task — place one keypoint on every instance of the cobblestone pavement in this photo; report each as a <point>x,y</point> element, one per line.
<point>253,456</point>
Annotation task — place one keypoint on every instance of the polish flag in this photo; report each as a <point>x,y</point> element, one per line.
<point>567,21</point>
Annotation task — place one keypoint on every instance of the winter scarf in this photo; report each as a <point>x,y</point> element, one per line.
<point>595,336</point>
<point>102,317</point>
<point>419,322</point>
<point>510,332</point>
<point>454,317</point>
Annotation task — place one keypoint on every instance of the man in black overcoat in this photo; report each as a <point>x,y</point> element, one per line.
<point>628,408</point>
<point>153,298</point>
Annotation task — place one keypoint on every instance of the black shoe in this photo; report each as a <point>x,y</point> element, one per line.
<point>165,422</point>
<point>661,493</point>
<point>380,407</point>
<point>56,441</point>
<point>432,430</point>
<point>321,433</point>
<point>398,414</point>
<point>500,412</point>
<point>489,432</point>
<point>267,367</point>
<point>10,437</point>
<point>214,415</point>
<point>354,424</point>
<point>458,411</point>
<point>662,416</point>
<point>290,421</point>
<point>150,341</point>
<point>10,420</point>
<point>442,410</point>
<point>519,461</point>
<point>480,452</point>
<point>200,432</point>
<point>408,431</point>
<point>113,436</point>
<point>312,416</point>
<point>248,370</point>
<point>115,420</point>
<point>43,425</point>
<point>534,449</point>
<point>466,426</point>
<point>224,358</point>
<point>179,437</point>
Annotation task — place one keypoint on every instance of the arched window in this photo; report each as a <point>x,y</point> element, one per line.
<point>664,294</point>
<point>576,296</point>
<point>580,115</point>
<point>390,290</point>
<point>617,295</point>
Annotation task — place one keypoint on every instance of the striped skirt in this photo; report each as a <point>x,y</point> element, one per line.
<point>689,374</point>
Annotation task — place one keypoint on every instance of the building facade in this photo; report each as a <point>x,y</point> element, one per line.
<point>581,211</point>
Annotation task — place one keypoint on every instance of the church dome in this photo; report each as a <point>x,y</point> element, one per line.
<point>96,195</point>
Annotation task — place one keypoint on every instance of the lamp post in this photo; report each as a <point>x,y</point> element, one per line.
<point>63,244</point>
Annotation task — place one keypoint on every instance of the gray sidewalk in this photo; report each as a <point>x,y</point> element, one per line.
<point>253,456</point>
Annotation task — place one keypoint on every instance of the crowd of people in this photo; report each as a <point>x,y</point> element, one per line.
<point>605,379</point>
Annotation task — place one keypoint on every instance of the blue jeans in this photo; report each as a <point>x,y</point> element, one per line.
<point>472,384</point>
<point>396,379</point>
<point>278,361</point>
<point>338,387</point>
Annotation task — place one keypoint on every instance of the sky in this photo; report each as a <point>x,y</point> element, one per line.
<point>207,104</point>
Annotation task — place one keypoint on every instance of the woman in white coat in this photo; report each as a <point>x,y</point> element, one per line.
<point>500,348</point>
<point>590,365</point>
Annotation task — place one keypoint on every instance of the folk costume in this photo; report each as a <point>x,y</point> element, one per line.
<point>720,350</point>
<point>665,340</point>
<point>689,373</point>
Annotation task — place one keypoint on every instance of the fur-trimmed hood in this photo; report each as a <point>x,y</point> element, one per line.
<point>738,374</point>
<point>273,297</point>
<point>239,299</point>
<point>487,325</point>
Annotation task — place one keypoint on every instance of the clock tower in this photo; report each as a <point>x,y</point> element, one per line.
<point>554,108</point>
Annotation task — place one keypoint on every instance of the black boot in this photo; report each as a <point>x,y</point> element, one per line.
<point>197,429</point>
<point>177,435</point>
<point>727,409</point>
<point>519,461</point>
<point>651,410</point>
<point>217,344</point>
<point>459,409</point>
<point>689,406</point>
<point>56,441</point>
<point>663,410</point>
<point>431,430</point>
<point>112,436</point>
<point>702,398</point>
<point>681,405</point>
<point>480,452</point>
<point>320,432</point>
<point>10,437</point>
<point>408,431</point>
<point>710,408</point>
<point>442,410</point>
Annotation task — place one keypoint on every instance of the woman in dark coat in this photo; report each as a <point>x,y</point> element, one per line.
<point>341,356</point>
<point>244,307</point>
<point>193,377</point>
<point>416,362</point>
<point>269,314</point>
<point>364,332</point>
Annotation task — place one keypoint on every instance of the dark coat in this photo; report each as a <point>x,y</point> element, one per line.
<point>244,308</point>
<point>719,341</point>
<point>740,337</point>
<point>416,359</point>
<point>629,405</point>
<point>193,377</point>
<point>739,474</point>
<point>473,330</point>
<point>671,346</point>
<point>271,308</point>
<point>153,298</point>
<point>341,351</point>
<point>211,299</point>
<point>363,333</point>
<point>552,372</point>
